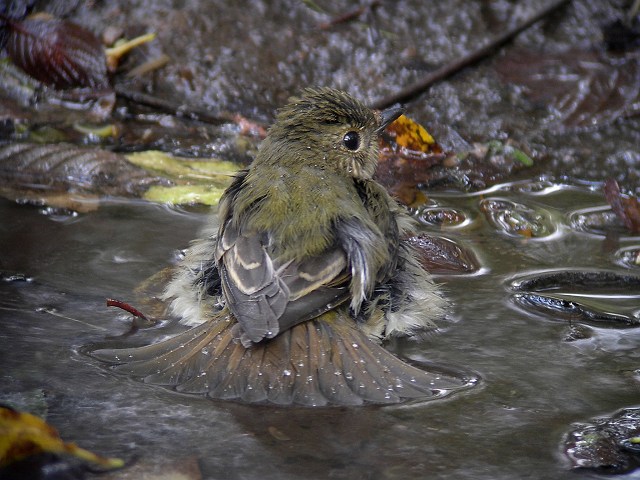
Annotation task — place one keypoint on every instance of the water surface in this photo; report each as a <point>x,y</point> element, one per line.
<point>538,376</point>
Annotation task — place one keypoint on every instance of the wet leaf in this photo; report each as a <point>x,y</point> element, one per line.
<point>516,219</point>
<point>23,435</point>
<point>442,217</point>
<point>97,131</point>
<point>581,88</point>
<point>53,168</point>
<point>606,444</point>
<point>58,52</point>
<point>211,169</point>
<point>440,255</point>
<point>627,208</point>
<point>197,181</point>
<point>407,153</point>
<point>185,194</point>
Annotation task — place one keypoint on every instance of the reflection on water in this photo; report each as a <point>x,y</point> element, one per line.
<point>58,268</point>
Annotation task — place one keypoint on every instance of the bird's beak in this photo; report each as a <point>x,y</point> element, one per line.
<point>388,116</point>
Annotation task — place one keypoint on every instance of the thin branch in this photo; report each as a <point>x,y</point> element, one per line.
<point>172,108</point>
<point>126,307</point>
<point>408,93</point>
<point>349,16</point>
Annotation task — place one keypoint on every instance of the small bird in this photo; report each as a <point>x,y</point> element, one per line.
<point>306,272</point>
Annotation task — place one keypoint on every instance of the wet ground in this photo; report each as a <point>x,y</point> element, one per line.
<point>542,368</point>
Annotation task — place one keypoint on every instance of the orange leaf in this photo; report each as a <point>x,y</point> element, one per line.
<point>407,153</point>
<point>412,136</point>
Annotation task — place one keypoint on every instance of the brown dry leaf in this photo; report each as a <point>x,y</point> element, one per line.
<point>57,52</point>
<point>23,435</point>
<point>627,208</point>
<point>407,152</point>
<point>583,88</point>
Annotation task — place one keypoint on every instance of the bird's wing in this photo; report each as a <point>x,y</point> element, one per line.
<point>268,295</point>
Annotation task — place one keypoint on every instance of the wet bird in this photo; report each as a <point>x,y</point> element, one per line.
<point>306,273</point>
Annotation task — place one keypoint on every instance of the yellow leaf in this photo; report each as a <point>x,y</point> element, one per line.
<point>177,168</point>
<point>185,194</point>
<point>23,435</point>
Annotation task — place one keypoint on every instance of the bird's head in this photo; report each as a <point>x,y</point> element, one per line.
<point>331,129</point>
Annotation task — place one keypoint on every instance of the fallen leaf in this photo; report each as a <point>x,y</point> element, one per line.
<point>407,152</point>
<point>57,52</point>
<point>23,435</point>
<point>581,88</point>
<point>412,138</point>
<point>55,168</point>
<point>627,208</point>
<point>185,194</point>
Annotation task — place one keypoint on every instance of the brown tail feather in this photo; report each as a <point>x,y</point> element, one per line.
<point>327,361</point>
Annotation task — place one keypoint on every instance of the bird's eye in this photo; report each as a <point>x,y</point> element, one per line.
<point>351,140</point>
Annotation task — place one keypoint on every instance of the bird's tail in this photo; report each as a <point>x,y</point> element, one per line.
<point>326,361</point>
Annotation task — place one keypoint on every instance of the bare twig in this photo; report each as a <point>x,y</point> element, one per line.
<point>126,307</point>
<point>172,108</point>
<point>408,93</point>
<point>349,16</point>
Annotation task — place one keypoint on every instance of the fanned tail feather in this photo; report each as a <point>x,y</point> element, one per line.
<point>326,361</point>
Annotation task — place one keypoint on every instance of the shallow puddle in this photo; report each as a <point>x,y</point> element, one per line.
<point>543,366</point>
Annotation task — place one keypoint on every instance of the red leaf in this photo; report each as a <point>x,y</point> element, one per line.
<point>582,88</point>
<point>57,52</point>
<point>626,208</point>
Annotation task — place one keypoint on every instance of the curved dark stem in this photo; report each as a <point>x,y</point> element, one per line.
<point>412,91</point>
<point>172,108</point>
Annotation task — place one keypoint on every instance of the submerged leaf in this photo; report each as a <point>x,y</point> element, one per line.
<point>211,169</point>
<point>185,194</point>
<point>196,181</point>
<point>58,53</point>
<point>626,208</point>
